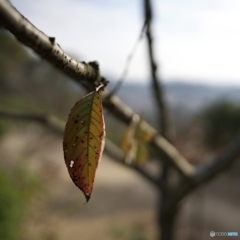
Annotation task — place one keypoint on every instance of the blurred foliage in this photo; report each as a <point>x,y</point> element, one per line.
<point>3,127</point>
<point>10,55</point>
<point>49,236</point>
<point>222,123</point>
<point>115,128</point>
<point>135,232</point>
<point>10,208</point>
<point>17,188</point>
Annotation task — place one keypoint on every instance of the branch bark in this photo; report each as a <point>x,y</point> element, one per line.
<point>45,46</point>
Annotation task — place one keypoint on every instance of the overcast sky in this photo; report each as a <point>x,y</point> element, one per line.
<point>195,41</point>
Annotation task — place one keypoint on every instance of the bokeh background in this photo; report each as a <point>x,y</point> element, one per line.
<point>197,46</point>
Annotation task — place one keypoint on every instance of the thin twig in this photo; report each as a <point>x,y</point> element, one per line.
<point>128,62</point>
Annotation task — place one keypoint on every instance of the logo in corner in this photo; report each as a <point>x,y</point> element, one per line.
<point>212,234</point>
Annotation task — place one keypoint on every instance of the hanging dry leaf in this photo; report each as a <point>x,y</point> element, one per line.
<point>141,134</point>
<point>134,143</point>
<point>142,153</point>
<point>128,144</point>
<point>84,140</point>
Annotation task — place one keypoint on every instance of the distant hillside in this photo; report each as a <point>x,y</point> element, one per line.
<point>183,99</point>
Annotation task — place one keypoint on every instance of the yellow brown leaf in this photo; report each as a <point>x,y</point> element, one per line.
<point>83,141</point>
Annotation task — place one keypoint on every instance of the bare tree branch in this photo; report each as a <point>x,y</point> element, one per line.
<point>45,46</point>
<point>57,126</point>
<point>37,40</point>
<point>221,163</point>
<point>48,120</point>
<point>12,19</point>
<point>172,156</point>
<point>48,49</point>
<point>206,172</point>
<point>156,86</point>
<point>163,114</point>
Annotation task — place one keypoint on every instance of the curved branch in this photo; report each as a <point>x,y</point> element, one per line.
<point>45,46</point>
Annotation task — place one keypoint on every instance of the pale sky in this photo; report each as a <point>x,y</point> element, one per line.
<point>195,41</point>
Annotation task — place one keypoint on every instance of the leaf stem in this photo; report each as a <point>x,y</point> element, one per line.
<point>102,85</point>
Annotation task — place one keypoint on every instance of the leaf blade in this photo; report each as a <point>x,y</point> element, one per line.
<point>83,141</point>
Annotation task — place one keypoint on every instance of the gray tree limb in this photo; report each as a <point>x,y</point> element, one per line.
<point>44,45</point>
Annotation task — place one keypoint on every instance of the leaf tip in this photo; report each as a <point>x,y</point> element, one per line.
<point>87,198</point>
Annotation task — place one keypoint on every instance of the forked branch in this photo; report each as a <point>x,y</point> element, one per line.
<point>206,172</point>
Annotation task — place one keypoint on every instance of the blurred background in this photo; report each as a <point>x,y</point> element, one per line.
<point>197,48</point>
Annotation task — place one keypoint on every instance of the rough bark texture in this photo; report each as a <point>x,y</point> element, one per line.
<point>44,45</point>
